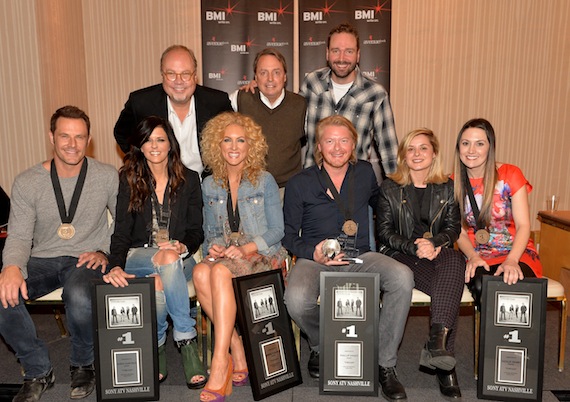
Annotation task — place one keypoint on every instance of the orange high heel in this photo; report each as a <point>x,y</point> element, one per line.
<point>226,389</point>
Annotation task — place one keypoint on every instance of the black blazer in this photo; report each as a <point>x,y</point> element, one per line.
<point>134,229</point>
<point>151,101</point>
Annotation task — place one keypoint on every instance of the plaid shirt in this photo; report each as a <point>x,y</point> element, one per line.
<point>366,105</point>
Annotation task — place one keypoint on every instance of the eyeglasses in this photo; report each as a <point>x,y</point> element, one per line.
<point>185,76</point>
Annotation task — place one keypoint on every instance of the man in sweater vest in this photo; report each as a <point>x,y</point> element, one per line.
<point>280,113</point>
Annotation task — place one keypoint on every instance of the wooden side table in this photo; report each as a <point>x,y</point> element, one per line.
<point>554,242</point>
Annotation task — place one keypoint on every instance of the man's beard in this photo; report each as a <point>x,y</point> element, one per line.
<point>344,75</point>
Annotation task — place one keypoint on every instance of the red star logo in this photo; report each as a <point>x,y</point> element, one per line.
<point>378,70</point>
<point>230,10</point>
<point>378,8</point>
<point>249,43</point>
<point>282,10</point>
<point>327,9</point>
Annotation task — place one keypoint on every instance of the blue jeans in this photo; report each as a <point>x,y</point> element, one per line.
<point>173,300</point>
<point>396,281</point>
<point>17,327</point>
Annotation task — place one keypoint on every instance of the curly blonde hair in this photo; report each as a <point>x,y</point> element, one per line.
<point>212,136</point>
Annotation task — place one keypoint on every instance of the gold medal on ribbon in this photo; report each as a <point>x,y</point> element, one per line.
<point>234,239</point>
<point>349,227</point>
<point>66,231</point>
<point>427,235</point>
<point>162,236</point>
<point>482,236</point>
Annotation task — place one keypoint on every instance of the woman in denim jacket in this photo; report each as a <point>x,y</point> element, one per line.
<point>243,227</point>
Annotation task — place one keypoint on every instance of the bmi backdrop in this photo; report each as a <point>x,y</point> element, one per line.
<point>233,31</point>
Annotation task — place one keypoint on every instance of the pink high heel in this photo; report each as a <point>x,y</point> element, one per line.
<point>243,381</point>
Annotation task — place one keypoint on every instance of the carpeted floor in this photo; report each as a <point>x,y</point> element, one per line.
<point>419,386</point>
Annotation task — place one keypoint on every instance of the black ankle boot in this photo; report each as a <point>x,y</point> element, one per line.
<point>434,354</point>
<point>314,365</point>
<point>448,384</point>
<point>392,388</point>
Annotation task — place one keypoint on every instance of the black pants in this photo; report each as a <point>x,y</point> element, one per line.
<point>442,279</point>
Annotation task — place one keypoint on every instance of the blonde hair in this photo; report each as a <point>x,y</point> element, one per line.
<point>402,174</point>
<point>339,121</point>
<point>214,133</point>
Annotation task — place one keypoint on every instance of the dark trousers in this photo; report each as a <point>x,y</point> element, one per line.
<point>442,279</point>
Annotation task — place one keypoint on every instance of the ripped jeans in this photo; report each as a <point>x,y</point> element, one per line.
<point>173,300</point>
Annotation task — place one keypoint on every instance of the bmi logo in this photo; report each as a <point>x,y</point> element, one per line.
<point>269,17</point>
<point>215,15</point>
<point>364,14</point>
<point>312,16</point>
<point>215,76</point>
<point>238,48</point>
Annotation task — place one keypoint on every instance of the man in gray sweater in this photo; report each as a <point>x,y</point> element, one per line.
<point>58,235</point>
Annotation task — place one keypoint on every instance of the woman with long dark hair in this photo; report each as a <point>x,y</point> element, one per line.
<point>495,217</point>
<point>158,228</point>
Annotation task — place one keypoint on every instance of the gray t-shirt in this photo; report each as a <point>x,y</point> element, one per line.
<point>34,215</point>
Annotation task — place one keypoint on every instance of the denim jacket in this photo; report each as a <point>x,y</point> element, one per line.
<point>259,209</point>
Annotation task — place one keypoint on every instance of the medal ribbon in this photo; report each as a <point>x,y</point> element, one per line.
<point>68,217</point>
<point>474,206</point>
<point>233,216</point>
<point>345,209</point>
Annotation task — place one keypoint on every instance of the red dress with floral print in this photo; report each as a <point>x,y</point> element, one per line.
<point>502,227</point>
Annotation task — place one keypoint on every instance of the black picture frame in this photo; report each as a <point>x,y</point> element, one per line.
<point>511,350</point>
<point>267,333</point>
<point>125,341</point>
<point>349,317</point>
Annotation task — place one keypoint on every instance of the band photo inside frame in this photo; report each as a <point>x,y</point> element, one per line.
<point>262,301</point>
<point>349,304</point>
<point>124,311</point>
<point>513,309</point>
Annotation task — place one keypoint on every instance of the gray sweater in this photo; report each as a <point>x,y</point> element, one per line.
<point>34,216</point>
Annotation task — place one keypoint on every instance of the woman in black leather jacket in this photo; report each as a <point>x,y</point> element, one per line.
<point>418,221</point>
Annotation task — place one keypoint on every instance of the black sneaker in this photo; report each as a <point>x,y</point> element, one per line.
<point>82,381</point>
<point>313,365</point>
<point>32,390</point>
<point>391,386</point>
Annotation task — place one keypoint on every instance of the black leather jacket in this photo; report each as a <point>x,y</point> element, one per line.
<point>395,218</point>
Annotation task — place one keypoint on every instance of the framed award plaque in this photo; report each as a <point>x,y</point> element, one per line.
<point>511,354</point>
<point>126,357</point>
<point>267,334</point>
<point>349,333</point>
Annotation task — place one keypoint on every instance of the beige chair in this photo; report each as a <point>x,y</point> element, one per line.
<point>54,300</point>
